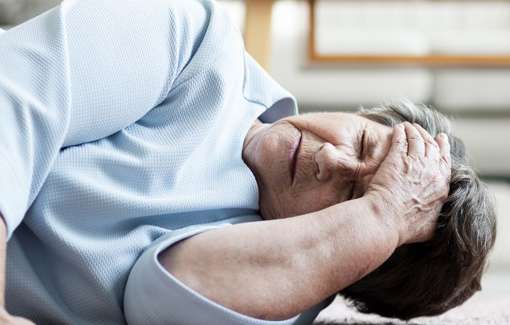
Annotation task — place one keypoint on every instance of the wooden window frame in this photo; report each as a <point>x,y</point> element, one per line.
<point>434,60</point>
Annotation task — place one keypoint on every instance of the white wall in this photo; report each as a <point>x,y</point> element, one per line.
<point>500,259</point>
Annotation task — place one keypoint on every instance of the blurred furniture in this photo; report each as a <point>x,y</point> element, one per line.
<point>439,28</point>
<point>257,30</point>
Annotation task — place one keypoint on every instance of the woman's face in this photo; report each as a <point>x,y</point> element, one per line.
<point>309,162</point>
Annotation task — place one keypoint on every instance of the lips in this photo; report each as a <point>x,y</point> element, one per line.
<point>294,157</point>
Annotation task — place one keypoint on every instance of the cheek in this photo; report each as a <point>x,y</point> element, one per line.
<point>269,152</point>
<point>267,144</point>
<point>314,199</point>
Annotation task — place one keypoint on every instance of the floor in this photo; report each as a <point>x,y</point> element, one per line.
<point>490,306</point>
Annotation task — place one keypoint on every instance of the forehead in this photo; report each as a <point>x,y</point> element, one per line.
<point>340,119</point>
<point>337,127</point>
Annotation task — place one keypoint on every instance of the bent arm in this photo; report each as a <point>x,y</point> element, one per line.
<point>81,72</point>
<point>277,269</point>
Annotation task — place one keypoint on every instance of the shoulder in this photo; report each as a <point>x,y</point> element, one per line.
<point>129,13</point>
<point>192,11</point>
<point>218,47</point>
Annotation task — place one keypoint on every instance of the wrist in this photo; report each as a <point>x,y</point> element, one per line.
<point>387,215</point>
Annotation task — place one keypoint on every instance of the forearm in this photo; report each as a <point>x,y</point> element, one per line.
<point>279,268</point>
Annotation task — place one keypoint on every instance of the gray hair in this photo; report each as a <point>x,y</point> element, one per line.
<point>430,278</point>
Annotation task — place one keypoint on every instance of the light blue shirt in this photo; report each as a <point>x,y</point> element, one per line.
<point>121,130</point>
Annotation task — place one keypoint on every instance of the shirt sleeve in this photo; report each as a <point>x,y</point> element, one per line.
<point>80,72</point>
<point>154,296</point>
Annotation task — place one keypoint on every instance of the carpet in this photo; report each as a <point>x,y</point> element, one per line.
<point>491,306</point>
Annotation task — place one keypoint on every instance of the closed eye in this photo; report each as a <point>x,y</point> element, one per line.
<point>363,144</point>
<point>362,152</point>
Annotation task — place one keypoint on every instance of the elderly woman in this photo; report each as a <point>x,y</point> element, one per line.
<point>141,148</point>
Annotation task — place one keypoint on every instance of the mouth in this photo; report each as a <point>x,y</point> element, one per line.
<point>293,158</point>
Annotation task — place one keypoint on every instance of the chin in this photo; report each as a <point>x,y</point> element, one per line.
<point>268,155</point>
<point>268,212</point>
<point>269,209</point>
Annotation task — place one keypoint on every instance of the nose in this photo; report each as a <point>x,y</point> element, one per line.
<point>331,160</point>
<point>341,161</point>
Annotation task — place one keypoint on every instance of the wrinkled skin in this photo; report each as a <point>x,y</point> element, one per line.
<point>341,156</point>
<point>413,180</point>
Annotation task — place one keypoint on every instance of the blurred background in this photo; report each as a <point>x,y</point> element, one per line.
<point>340,55</point>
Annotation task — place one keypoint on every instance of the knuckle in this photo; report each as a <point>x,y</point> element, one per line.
<point>398,142</point>
<point>433,145</point>
<point>357,171</point>
<point>413,157</point>
<point>447,170</point>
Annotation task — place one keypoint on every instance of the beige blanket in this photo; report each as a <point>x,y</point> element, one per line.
<point>484,308</point>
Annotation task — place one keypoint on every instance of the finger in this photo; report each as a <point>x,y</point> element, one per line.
<point>415,143</point>
<point>431,146</point>
<point>444,148</point>
<point>398,141</point>
<point>368,166</point>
